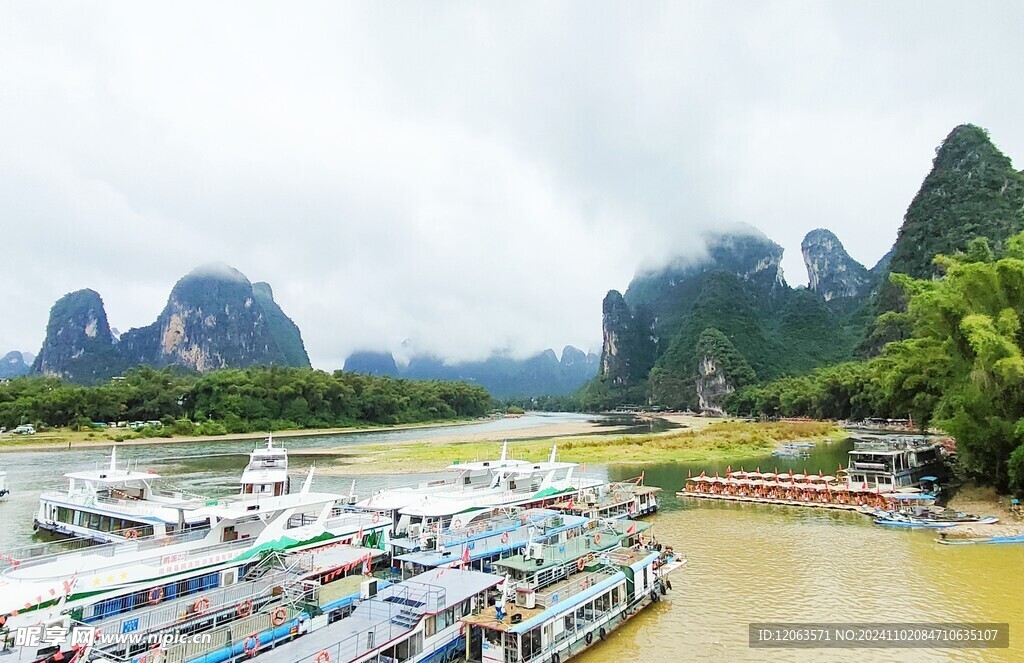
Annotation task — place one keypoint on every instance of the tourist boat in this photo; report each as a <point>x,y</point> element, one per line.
<point>483,543</point>
<point>462,477</point>
<point>415,621</point>
<point>929,516</point>
<point>4,492</point>
<point>510,483</point>
<point>100,581</point>
<point>560,600</point>
<point>891,463</point>
<point>267,471</point>
<point>114,504</point>
<point>620,499</point>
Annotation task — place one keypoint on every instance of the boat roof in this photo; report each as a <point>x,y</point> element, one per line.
<point>240,506</point>
<point>427,593</point>
<point>109,476</point>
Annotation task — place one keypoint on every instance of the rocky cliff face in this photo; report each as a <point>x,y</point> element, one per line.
<point>628,343</point>
<point>831,272</point>
<point>372,363</point>
<point>13,365</point>
<point>78,344</point>
<point>212,320</point>
<point>712,386</point>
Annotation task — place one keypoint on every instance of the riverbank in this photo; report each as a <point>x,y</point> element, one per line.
<point>71,440</point>
<point>984,502</point>
<point>707,440</point>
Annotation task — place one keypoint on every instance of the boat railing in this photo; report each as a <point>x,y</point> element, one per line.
<point>169,561</point>
<point>577,584</point>
<point>867,465</point>
<point>44,555</point>
<point>21,554</point>
<point>216,607</point>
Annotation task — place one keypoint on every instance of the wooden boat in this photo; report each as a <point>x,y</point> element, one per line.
<point>1017,538</point>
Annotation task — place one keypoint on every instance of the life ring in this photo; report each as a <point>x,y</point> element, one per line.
<point>251,644</point>
<point>555,658</point>
<point>654,596</point>
<point>601,634</point>
<point>322,657</point>
<point>156,595</point>
<point>663,590</point>
<point>244,608</point>
<point>589,637</point>
<point>376,518</point>
<point>504,537</point>
<point>278,616</point>
<point>597,538</point>
<point>131,534</point>
<point>200,606</point>
<point>456,524</point>
<point>668,583</point>
<point>580,563</point>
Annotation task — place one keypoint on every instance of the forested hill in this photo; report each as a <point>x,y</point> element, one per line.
<point>652,350</point>
<point>238,400</point>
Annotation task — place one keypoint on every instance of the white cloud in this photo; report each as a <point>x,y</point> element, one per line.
<point>469,176</point>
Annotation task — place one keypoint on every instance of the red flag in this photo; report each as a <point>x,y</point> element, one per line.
<point>571,504</point>
<point>702,474</point>
<point>631,529</point>
<point>368,565</point>
<point>689,474</point>
<point>465,557</point>
<point>728,470</point>
<point>358,541</point>
<point>820,475</point>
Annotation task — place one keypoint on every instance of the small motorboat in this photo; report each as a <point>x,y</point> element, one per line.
<point>790,453</point>
<point>928,519</point>
<point>1017,538</point>
<point>4,492</point>
<point>895,519</point>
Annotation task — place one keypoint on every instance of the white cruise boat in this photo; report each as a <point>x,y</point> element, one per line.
<point>462,478</point>
<point>114,504</point>
<point>527,485</point>
<point>100,581</point>
<point>267,471</point>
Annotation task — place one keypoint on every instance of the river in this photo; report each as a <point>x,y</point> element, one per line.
<point>747,563</point>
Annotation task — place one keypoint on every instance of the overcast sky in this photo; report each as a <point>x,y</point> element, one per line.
<point>472,176</point>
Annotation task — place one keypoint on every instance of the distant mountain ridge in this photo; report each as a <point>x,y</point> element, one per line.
<point>214,318</point>
<point>543,374</point>
<point>15,364</point>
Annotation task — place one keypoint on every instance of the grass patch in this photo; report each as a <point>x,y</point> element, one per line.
<point>721,441</point>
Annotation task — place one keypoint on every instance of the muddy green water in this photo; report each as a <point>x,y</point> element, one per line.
<point>747,563</point>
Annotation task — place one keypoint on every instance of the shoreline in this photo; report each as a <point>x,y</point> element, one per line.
<point>62,444</point>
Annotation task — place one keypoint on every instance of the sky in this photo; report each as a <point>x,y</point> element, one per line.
<point>470,176</point>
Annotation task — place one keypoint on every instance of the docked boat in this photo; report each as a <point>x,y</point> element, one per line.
<point>267,471</point>
<point>891,463</point>
<point>790,453</point>
<point>1014,538</point>
<point>114,504</point>
<point>415,621</point>
<point>509,484</point>
<point>480,545</point>
<point>897,519</point>
<point>619,499</point>
<point>459,478</point>
<point>558,601</point>
<point>105,580</point>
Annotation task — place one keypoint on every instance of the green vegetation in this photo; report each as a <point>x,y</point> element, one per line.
<point>721,441</point>
<point>961,370</point>
<point>237,401</point>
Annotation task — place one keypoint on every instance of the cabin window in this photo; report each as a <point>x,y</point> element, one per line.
<point>429,626</point>
<point>531,643</point>
<point>615,596</point>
